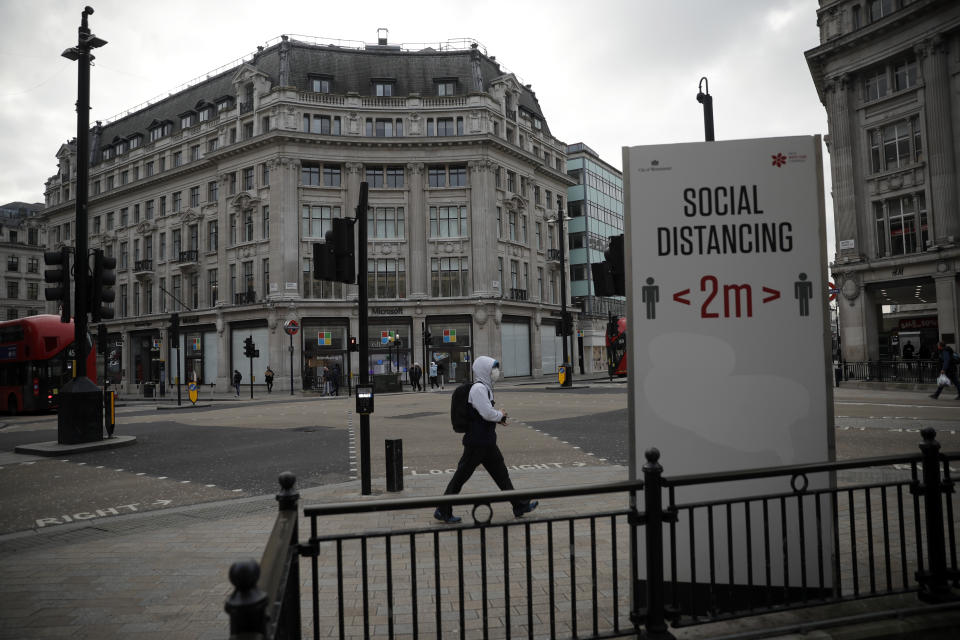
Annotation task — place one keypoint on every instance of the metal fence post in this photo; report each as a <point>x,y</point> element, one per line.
<point>655,623</point>
<point>933,582</point>
<point>247,605</point>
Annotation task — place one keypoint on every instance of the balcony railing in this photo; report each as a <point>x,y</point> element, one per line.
<point>143,265</point>
<point>554,255</point>
<point>248,297</point>
<point>518,294</point>
<point>187,256</point>
<point>246,107</point>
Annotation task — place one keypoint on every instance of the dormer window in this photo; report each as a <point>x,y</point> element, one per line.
<point>120,148</point>
<point>383,88</point>
<point>224,103</point>
<point>320,84</point>
<point>106,153</point>
<point>204,114</point>
<point>134,141</point>
<point>160,130</point>
<point>537,123</point>
<point>446,87</point>
<point>186,120</point>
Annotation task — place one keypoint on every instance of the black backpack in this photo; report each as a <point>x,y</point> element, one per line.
<point>462,413</point>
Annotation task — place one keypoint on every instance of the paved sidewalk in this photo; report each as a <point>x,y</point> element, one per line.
<point>163,574</point>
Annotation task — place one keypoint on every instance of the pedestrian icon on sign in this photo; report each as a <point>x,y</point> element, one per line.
<point>651,296</point>
<point>803,291</point>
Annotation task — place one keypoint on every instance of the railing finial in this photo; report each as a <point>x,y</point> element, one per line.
<point>247,605</point>
<point>288,496</point>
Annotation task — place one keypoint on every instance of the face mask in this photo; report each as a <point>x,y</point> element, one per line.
<point>495,374</point>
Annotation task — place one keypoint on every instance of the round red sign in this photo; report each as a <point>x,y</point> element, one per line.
<point>291,327</point>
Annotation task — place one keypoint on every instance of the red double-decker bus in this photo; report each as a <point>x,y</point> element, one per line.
<point>36,360</point>
<point>617,346</point>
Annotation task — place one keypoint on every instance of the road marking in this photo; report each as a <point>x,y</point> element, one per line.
<point>543,466</point>
<point>161,477</point>
<point>96,513</point>
<point>211,485</point>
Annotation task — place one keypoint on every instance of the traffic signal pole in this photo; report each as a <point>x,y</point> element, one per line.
<point>364,336</point>
<point>565,325</point>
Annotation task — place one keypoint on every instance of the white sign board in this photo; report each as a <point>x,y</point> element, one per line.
<point>728,334</point>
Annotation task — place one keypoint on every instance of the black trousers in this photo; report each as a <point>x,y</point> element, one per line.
<point>492,460</point>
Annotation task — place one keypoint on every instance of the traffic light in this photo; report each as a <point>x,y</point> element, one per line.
<point>343,245</point>
<point>102,339</point>
<point>426,336</point>
<point>353,344</point>
<point>60,277</point>
<point>102,292</point>
<point>615,260</point>
<point>250,349</point>
<point>324,260</point>
<point>174,329</point>
<point>602,279</point>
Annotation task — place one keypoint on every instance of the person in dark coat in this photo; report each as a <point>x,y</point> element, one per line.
<point>416,374</point>
<point>948,367</point>
<point>237,379</point>
<point>480,442</point>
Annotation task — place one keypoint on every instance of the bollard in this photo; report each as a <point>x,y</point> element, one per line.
<point>394,465</point>
<point>247,604</point>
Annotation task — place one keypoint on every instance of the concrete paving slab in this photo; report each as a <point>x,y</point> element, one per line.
<point>54,448</point>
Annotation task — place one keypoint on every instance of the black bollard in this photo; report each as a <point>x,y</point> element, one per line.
<point>247,605</point>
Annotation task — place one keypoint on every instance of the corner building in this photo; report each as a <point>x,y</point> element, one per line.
<point>888,73</point>
<point>212,198</point>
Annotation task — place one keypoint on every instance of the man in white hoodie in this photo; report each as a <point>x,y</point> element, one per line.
<point>480,442</point>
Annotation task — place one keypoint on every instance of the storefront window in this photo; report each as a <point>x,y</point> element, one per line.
<point>451,347</point>
<point>324,351</point>
<point>384,352</point>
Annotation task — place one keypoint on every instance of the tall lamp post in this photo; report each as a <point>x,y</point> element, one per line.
<point>566,325</point>
<point>80,417</point>
<point>704,98</point>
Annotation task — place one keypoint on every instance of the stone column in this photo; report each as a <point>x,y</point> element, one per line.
<point>351,197</point>
<point>286,265</point>
<point>860,321</point>
<point>940,141</point>
<point>418,259</point>
<point>841,164</point>
<point>483,238</point>
<point>948,303</point>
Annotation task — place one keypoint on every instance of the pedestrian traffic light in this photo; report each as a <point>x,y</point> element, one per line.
<point>60,277</point>
<point>567,324</point>
<point>250,349</point>
<point>102,292</point>
<point>324,260</point>
<point>602,278</point>
<point>174,329</point>
<point>354,346</point>
<point>615,259</point>
<point>426,336</point>
<point>343,245</point>
<point>102,339</point>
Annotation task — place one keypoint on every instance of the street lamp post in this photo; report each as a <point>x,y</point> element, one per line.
<point>704,98</point>
<point>565,325</point>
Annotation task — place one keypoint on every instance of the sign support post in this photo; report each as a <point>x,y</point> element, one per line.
<point>291,327</point>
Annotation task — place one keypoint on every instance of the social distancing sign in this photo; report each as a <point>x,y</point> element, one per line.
<point>728,334</point>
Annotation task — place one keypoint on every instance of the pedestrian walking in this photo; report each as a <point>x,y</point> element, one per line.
<point>441,372</point>
<point>416,373</point>
<point>237,379</point>
<point>948,370</point>
<point>335,379</point>
<point>433,374</point>
<point>268,377</point>
<point>480,442</point>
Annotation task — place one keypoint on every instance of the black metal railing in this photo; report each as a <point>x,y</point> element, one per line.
<point>188,256</point>
<point>143,265</point>
<point>915,371</point>
<point>553,255</point>
<point>518,294</point>
<point>611,572</point>
<point>248,297</point>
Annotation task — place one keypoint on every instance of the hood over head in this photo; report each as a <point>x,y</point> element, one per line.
<point>482,367</point>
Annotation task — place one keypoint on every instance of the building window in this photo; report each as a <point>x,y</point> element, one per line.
<point>499,223</point>
<point>149,168</point>
<point>384,127</point>
<point>233,228</point>
<point>232,181</point>
<point>160,131</point>
<point>265,223</point>
<point>163,246</point>
<point>177,292</point>
<point>136,298</point>
<point>33,291</point>
<point>213,188</point>
<point>248,179</point>
<point>387,278</point>
<point>248,226</point>
<point>194,153</point>
<point>896,145</point>
<point>448,222</point>
<point>901,225</point>
<point>875,85</point>
<point>163,206</point>
<point>511,182</point>
<point>445,127</point>
<point>194,291</point>
<point>265,175</point>
<point>512,225</point>
<point>124,177</point>
<point>248,282</point>
<point>13,289</point>
<point>212,144</point>
<point>310,175</point>
<point>904,75</point>
<point>212,235</point>
<point>446,88</point>
<point>124,310</point>
<point>383,89</point>
<point>523,228</point>
<point>176,201</point>
<point>447,176</point>
<point>147,212</point>
<point>316,220</point>
<point>136,213</point>
<point>385,222</point>
<point>123,255</point>
<point>331,175</point>
<point>177,158</point>
<point>194,196</point>
<point>320,85</point>
<point>212,287</point>
<point>265,286</point>
<point>148,248</point>
<point>134,142</point>
<point>879,8</point>
<point>176,244</point>
<point>148,296</point>
<point>193,237</point>
<point>33,265</point>
<point>186,121</point>
<point>233,281</point>
<point>326,125</point>
<point>449,277</point>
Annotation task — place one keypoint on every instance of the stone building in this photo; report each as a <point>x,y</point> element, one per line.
<point>888,72</point>
<point>212,198</point>
<point>21,257</point>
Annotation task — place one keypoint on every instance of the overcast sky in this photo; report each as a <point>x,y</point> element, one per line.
<point>610,73</point>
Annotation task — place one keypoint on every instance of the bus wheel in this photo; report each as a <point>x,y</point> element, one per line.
<point>12,405</point>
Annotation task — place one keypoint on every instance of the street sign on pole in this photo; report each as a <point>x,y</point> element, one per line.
<point>291,327</point>
<point>729,341</point>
